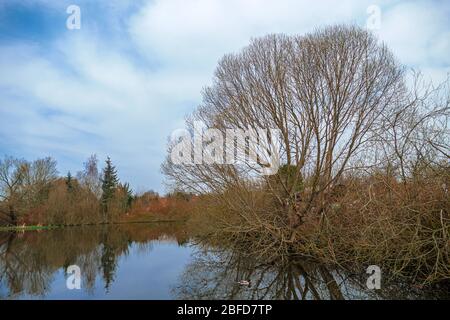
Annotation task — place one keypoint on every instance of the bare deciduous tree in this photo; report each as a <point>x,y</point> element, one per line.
<point>12,174</point>
<point>23,184</point>
<point>90,176</point>
<point>334,94</point>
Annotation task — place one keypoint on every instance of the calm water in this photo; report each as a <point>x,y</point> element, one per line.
<point>143,261</point>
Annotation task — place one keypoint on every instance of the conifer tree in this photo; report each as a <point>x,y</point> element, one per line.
<point>109,185</point>
<point>69,182</point>
<point>128,195</point>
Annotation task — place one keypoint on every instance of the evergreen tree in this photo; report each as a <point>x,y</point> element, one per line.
<point>128,195</point>
<point>108,265</point>
<point>69,182</point>
<point>109,185</point>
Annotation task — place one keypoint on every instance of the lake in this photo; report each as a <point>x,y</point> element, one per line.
<point>162,261</point>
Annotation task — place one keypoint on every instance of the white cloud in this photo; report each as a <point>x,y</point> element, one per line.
<point>102,103</point>
<point>419,34</point>
<point>195,34</point>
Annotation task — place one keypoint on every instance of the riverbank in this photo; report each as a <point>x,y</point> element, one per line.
<point>27,228</point>
<point>50,227</point>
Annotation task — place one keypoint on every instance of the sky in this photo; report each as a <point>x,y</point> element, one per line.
<point>125,80</point>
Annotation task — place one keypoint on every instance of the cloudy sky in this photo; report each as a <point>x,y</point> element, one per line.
<point>124,81</point>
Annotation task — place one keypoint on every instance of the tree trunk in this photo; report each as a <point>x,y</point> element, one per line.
<point>12,215</point>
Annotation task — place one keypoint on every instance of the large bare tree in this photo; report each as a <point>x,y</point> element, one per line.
<point>333,94</point>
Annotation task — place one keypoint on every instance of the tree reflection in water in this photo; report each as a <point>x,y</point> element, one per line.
<point>215,274</point>
<point>29,261</point>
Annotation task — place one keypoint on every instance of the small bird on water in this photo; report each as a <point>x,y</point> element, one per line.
<point>244,282</point>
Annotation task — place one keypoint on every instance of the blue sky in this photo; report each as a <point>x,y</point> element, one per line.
<point>121,84</point>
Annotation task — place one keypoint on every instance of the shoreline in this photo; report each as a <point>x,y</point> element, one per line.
<point>51,227</point>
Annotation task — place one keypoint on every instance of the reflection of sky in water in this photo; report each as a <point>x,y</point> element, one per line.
<point>144,273</point>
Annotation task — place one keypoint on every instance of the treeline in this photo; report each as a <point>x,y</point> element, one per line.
<point>32,193</point>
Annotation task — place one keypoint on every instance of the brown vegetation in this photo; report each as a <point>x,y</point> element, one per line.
<point>151,207</point>
<point>31,193</point>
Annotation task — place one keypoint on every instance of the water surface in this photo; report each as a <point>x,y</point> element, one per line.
<point>161,261</point>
